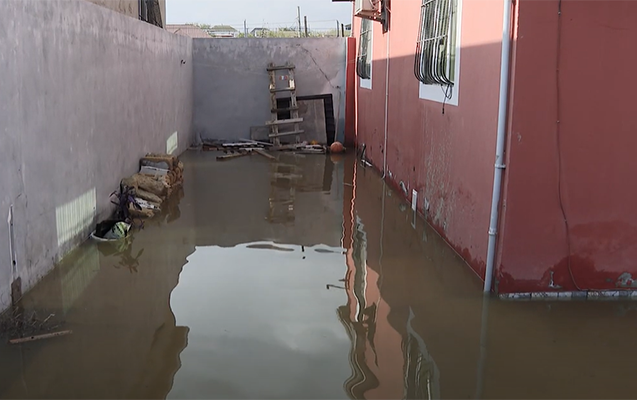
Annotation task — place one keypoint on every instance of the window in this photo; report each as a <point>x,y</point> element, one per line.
<point>143,10</point>
<point>437,50</point>
<point>364,59</point>
<point>150,11</point>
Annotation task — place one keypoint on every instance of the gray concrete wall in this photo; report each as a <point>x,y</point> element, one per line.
<point>129,7</point>
<point>86,92</point>
<point>126,7</point>
<point>231,91</point>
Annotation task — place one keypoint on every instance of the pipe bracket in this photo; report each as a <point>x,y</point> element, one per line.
<point>493,232</point>
<point>500,166</point>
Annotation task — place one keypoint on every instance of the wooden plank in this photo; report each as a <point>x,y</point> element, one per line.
<point>287,89</point>
<point>285,134</point>
<point>274,129</point>
<point>289,146</point>
<point>230,156</point>
<point>264,154</point>
<point>280,67</point>
<point>278,110</point>
<point>285,121</point>
<point>39,337</point>
<point>257,142</point>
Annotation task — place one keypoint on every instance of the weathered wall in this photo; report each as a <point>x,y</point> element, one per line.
<point>86,92</point>
<point>587,159</point>
<point>126,7</point>
<point>231,91</point>
<point>129,7</point>
<point>444,152</point>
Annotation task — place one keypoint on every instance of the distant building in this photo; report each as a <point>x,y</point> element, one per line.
<point>259,32</point>
<point>188,30</point>
<point>222,31</point>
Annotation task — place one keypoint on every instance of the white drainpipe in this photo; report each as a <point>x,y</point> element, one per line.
<point>386,108</point>
<point>500,141</point>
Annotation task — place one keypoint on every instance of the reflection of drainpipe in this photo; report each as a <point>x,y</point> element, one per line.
<point>500,141</point>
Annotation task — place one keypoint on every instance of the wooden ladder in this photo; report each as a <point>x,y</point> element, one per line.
<point>294,120</point>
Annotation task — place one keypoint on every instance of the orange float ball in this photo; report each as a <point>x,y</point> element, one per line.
<point>336,147</point>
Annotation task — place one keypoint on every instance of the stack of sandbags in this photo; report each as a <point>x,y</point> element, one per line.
<point>158,175</point>
<point>163,165</point>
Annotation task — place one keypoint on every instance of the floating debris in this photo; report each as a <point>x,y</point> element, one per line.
<point>20,325</point>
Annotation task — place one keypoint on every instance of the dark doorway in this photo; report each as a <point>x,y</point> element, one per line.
<point>328,104</point>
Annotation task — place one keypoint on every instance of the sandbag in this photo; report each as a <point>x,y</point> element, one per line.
<point>156,186</point>
<point>144,195</point>
<point>143,213</point>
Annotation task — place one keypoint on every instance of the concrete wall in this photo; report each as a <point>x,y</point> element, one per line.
<point>129,7</point>
<point>445,152</point>
<point>126,7</point>
<point>231,91</point>
<point>86,92</point>
<point>582,169</point>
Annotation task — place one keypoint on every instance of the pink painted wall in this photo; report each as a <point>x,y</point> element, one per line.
<point>448,158</point>
<point>597,141</point>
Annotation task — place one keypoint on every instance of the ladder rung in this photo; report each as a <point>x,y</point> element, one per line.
<point>285,121</point>
<point>273,135</point>
<point>284,109</point>
<point>280,67</point>
<point>287,89</point>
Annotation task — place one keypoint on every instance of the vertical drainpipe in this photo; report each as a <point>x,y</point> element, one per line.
<point>386,107</point>
<point>500,141</point>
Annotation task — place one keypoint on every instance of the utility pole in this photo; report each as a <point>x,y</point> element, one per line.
<point>338,27</point>
<point>245,28</point>
<point>298,13</point>
<point>342,30</point>
<point>305,20</point>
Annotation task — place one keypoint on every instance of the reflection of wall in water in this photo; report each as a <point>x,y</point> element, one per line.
<point>361,318</point>
<point>358,319</point>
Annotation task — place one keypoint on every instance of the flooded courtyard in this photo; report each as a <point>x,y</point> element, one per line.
<point>305,277</point>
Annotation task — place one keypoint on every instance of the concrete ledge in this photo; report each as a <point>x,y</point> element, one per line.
<point>602,295</point>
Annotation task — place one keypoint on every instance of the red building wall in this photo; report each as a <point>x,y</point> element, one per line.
<point>589,156</point>
<point>448,158</point>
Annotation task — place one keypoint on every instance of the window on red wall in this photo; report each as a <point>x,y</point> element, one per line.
<point>436,45</point>
<point>364,58</point>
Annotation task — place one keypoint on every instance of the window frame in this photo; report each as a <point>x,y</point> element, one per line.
<point>438,92</point>
<point>366,58</point>
<point>143,10</point>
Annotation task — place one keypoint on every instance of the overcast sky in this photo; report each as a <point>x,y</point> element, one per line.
<point>271,13</point>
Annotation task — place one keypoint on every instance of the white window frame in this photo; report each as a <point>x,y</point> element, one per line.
<point>367,83</point>
<point>438,93</point>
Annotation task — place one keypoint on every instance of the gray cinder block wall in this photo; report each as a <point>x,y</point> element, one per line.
<point>85,93</point>
<point>231,90</point>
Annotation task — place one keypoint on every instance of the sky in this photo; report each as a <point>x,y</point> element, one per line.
<point>321,14</point>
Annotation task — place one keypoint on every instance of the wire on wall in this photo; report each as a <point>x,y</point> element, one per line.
<point>558,136</point>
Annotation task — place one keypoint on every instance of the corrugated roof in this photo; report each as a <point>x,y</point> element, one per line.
<point>187,30</point>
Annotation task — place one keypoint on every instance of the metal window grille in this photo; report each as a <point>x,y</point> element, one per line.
<point>435,49</point>
<point>364,59</point>
<point>143,10</point>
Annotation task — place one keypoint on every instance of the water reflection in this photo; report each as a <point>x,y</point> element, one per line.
<point>353,297</point>
<point>261,323</point>
<point>361,321</point>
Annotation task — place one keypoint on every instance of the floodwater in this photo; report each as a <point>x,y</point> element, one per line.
<point>304,278</point>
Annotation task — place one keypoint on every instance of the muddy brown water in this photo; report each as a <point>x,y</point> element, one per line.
<point>303,278</point>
